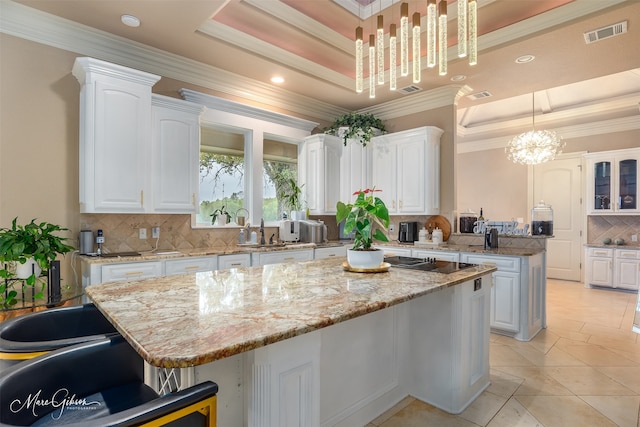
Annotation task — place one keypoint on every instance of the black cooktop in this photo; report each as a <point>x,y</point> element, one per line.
<point>427,264</point>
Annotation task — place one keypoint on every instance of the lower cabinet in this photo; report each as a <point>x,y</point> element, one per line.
<point>130,271</point>
<point>518,294</point>
<point>613,268</point>
<point>276,257</point>
<point>330,252</point>
<point>190,265</point>
<point>233,261</point>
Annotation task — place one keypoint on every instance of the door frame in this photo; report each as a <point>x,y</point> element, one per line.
<point>531,203</point>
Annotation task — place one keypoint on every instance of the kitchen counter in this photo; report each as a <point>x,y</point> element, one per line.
<point>225,312</point>
<point>507,251</point>
<point>310,341</point>
<point>632,245</point>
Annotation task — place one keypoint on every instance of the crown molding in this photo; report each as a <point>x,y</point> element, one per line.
<point>566,132</point>
<point>227,106</point>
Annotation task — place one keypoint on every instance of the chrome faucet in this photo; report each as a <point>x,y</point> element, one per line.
<point>262,242</point>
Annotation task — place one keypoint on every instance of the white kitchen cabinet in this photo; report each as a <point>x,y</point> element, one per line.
<point>612,182</point>
<point>330,252</point>
<point>355,169</point>
<point>115,136</point>
<point>190,265</point>
<point>175,154</point>
<point>277,257</point>
<point>439,255</point>
<point>319,173</point>
<point>130,271</point>
<point>234,261</point>
<point>406,167</point>
<point>394,250</point>
<point>518,293</point>
<point>613,268</point>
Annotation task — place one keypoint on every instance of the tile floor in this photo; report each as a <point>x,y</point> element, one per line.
<point>583,370</point>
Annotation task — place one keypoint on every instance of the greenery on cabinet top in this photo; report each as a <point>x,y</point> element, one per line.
<point>361,127</point>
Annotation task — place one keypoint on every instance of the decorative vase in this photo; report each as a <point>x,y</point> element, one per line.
<point>25,270</point>
<point>221,220</point>
<point>365,259</point>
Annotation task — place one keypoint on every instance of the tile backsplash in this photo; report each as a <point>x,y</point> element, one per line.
<point>612,227</point>
<point>121,232</point>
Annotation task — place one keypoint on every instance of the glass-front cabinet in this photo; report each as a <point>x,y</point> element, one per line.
<point>612,182</point>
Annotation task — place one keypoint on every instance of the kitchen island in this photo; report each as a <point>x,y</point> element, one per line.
<point>310,343</point>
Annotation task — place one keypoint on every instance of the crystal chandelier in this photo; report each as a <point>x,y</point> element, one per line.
<point>535,146</point>
<point>436,43</point>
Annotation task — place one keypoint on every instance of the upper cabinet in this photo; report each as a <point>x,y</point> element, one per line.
<point>319,172</point>
<point>136,156</point>
<point>175,154</point>
<point>406,167</point>
<point>612,182</point>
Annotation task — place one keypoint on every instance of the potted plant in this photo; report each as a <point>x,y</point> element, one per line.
<point>291,195</point>
<point>25,253</point>
<point>362,216</point>
<point>225,217</point>
<point>356,126</point>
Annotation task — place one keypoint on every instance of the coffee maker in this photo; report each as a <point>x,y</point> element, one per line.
<point>408,232</point>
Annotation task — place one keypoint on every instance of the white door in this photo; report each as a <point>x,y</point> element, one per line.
<point>559,184</point>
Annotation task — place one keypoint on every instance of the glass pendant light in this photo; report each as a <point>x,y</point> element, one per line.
<point>442,38</point>
<point>404,39</point>
<point>372,66</point>
<point>432,19</point>
<point>380,50</point>
<point>473,32</point>
<point>535,146</point>
<point>392,58</point>
<point>462,28</point>
<point>416,48</point>
<point>359,78</point>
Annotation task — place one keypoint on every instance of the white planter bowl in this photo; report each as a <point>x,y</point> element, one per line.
<point>25,270</point>
<point>365,259</point>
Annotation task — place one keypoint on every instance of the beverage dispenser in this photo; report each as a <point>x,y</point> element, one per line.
<point>542,220</point>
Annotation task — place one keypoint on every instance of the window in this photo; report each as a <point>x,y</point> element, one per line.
<point>224,177</point>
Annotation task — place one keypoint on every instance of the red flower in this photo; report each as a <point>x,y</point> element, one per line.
<point>367,191</point>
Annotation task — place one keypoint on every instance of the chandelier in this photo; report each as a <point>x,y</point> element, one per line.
<point>535,146</point>
<point>436,43</point>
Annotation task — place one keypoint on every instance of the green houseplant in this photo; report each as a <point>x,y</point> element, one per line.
<point>358,126</point>
<point>290,194</point>
<point>223,213</point>
<point>368,217</point>
<point>18,246</point>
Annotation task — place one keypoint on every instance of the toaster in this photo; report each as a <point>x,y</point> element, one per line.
<point>289,231</point>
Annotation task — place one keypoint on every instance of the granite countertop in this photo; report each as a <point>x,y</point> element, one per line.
<point>193,319</point>
<point>221,250</point>
<point>508,251</point>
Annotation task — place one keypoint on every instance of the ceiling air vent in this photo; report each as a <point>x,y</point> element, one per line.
<point>479,95</point>
<point>409,89</point>
<point>605,32</point>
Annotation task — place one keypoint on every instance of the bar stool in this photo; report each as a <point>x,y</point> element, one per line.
<point>97,383</point>
<point>34,334</point>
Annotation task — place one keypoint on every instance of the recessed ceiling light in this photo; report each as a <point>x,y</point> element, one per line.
<point>524,59</point>
<point>458,78</point>
<point>130,20</point>
<point>277,79</point>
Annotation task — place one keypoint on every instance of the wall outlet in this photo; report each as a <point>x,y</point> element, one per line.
<point>142,233</point>
<point>392,228</point>
<point>155,232</point>
<point>634,237</point>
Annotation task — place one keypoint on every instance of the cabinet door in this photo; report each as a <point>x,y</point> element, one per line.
<point>439,255</point>
<point>627,274</point>
<point>355,169</point>
<point>131,271</point>
<point>176,153</point>
<point>505,301</point>
<point>627,184</point>
<point>322,173</point>
<point>602,186</point>
<point>233,261</point>
<point>332,252</point>
<point>411,176</point>
<point>385,160</point>
<point>600,271</point>
<point>282,257</point>
<point>190,265</point>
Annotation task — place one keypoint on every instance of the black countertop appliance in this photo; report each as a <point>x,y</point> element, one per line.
<point>408,232</point>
